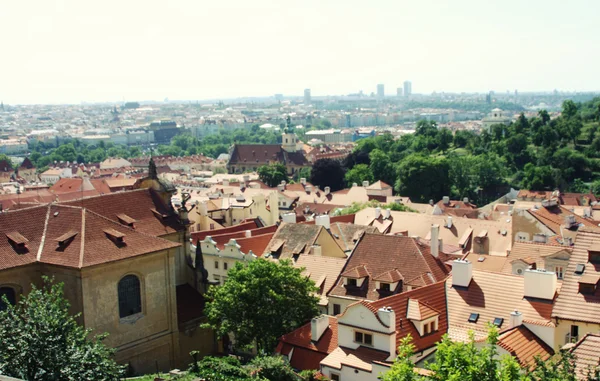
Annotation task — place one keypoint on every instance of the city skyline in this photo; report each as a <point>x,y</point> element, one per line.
<point>68,52</point>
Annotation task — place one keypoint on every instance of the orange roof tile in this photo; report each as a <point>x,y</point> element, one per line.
<point>587,354</point>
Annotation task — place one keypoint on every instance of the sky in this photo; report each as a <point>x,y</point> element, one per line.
<point>69,51</point>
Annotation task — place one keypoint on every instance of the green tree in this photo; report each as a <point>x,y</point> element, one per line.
<point>358,174</point>
<point>260,302</point>
<point>403,368</point>
<point>220,369</point>
<point>538,178</point>
<point>272,368</point>
<point>273,174</point>
<point>444,138</point>
<point>42,341</point>
<point>423,178</point>
<point>381,167</point>
<point>328,173</point>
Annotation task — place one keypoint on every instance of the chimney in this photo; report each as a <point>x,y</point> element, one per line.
<point>283,182</point>
<point>570,221</point>
<point>318,325</point>
<point>225,183</point>
<point>540,238</point>
<point>289,218</point>
<point>281,187</point>
<point>540,284</point>
<point>248,233</point>
<point>449,222</point>
<point>567,241</point>
<point>303,180</point>
<point>387,213</point>
<point>308,188</point>
<point>431,202</point>
<point>446,200</point>
<point>317,188</point>
<point>323,220</point>
<point>388,317</point>
<point>462,273</point>
<point>466,200</point>
<point>354,185</point>
<point>365,184</point>
<point>435,240</point>
<point>317,250</point>
<point>516,319</point>
<point>377,212</point>
<point>246,178</point>
<point>327,190</point>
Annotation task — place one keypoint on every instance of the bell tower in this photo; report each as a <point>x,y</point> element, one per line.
<point>288,137</point>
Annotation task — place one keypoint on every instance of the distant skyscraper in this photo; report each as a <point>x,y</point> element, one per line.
<point>307,99</point>
<point>380,91</point>
<point>407,88</point>
<point>399,91</point>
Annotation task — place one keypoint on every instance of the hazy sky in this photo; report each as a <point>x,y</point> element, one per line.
<point>80,50</point>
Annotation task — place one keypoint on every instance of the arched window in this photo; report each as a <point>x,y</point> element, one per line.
<point>10,294</point>
<point>130,297</point>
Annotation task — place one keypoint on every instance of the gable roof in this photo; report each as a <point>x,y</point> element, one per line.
<point>323,270</point>
<point>587,354</point>
<point>524,345</point>
<point>137,204</point>
<point>378,254</point>
<point>571,304</point>
<point>72,237</point>
<point>26,164</point>
<point>554,218</point>
<point>293,239</point>
<point>261,154</point>
<point>200,235</point>
<point>492,295</point>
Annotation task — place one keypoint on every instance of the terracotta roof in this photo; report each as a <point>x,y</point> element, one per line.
<point>587,354</point>
<point>52,233</point>
<point>262,154</point>
<point>357,272</point>
<point>222,239</point>
<point>390,276</point>
<point>571,304</point>
<point>137,204</point>
<point>346,218</point>
<point>524,345</point>
<point>554,218</point>
<point>231,229</point>
<point>256,243</point>
<point>315,208</point>
<point>378,254</point>
<point>323,270</point>
<point>379,185</point>
<point>492,295</point>
<point>296,239</point>
<point>361,358</point>
<point>420,311</point>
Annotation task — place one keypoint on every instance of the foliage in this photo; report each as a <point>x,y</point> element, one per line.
<point>358,206</point>
<point>3,157</point>
<point>327,173</point>
<point>263,368</point>
<point>273,174</point>
<point>260,302</point>
<point>358,174</point>
<point>423,178</point>
<point>312,375</point>
<point>42,341</point>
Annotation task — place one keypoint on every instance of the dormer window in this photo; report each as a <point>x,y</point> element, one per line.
<point>594,254</point>
<point>18,242</point>
<point>385,287</point>
<point>351,282</point>
<point>65,239</point>
<point>588,284</point>
<point>126,220</point>
<point>116,236</point>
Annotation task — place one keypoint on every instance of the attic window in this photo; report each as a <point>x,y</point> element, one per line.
<point>498,322</point>
<point>18,242</point>
<point>384,287</point>
<point>65,239</point>
<point>125,219</point>
<point>579,269</point>
<point>351,282</point>
<point>594,256</point>
<point>473,317</point>
<point>114,235</point>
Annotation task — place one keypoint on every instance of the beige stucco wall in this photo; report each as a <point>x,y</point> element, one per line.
<point>329,248</point>
<point>524,226</point>
<point>564,327</point>
<point>21,278</point>
<point>155,333</point>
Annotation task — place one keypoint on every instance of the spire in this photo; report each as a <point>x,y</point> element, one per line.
<point>199,263</point>
<point>152,172</point>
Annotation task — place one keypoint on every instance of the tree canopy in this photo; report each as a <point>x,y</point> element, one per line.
<point>42,341</point>
<point>260,302</point>
<point>328,173</point>
<point>273,174</point>
<point>261,368</point>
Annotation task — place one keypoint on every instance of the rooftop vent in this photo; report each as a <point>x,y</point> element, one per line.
<point>65,239</point>
<point>115,235</point>
<point>579,269</point>
<point>125,219</point>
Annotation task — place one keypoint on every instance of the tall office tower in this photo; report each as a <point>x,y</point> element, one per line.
<point>407,88</point>
<point>399,91</point>
<point>307,99</point>
<point>380,91</point>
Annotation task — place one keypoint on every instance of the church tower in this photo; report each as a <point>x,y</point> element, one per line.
<point>289,138</point>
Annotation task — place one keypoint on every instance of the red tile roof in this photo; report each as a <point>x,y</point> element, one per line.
<point>380,254</point>
<point>87,245</point>
<point>554,217</point>
<point>587,354</point>
<point>231,229</point>
<point>257,244</point>
<point>524,345</point>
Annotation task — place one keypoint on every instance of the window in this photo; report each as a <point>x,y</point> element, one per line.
<point>519,271</point>
<point>216,264</point>
<point>336,309</point>
<point>559,272</point>
<point>473,318</point>
<point>587,289</point>
<point>352,283</point>
<point>363,338</point>
<point>10,294</point>
<point>579,269</point>
<point>426,330</point>
<point>498,322</point>
<point>225,266</point>
<point>574,331</point>
<point>594,257</point>
<point>384,287</point>
<point>335,377</point>
<point>130,297</point>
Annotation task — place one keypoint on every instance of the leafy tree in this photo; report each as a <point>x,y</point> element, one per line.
<point>358,174</point>
<point>273,174</point>
<point>381,167</point>
<point>423,178</point>
<point>403,368</point>
<point>42,341</point>
<point>272,368</point>
<point>561,368</point>
<point>538,178</point>
<point>444,138</point>
<point>461,138</point>
<point>260,302</point>
<point>219,369</point>
<point>327,172</point>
